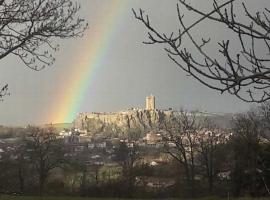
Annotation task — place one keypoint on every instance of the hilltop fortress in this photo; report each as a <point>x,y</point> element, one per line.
<point>136,120</point>
<point>124,121</point>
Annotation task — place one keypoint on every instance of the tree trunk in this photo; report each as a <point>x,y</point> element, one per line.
<point>41,184</point>
<point>21,179</point>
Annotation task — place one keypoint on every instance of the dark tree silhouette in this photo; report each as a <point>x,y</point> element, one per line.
<point>244,73</point>
<point>248,165</point>
<point>45,153</point>
<point>28,29</point>
<point>181,144</point>
<point>127,156</point>
<point>211,145</point>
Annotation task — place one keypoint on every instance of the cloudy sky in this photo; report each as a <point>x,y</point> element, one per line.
<point>126,70</point>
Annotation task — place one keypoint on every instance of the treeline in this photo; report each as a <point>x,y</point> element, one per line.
<point>230,163</point>
<point>196,158</point>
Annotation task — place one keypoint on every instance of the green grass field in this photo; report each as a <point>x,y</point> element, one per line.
<point>56,198</point>
<point>64,198</point>
<point>81,198</point>
<point>50,198</point>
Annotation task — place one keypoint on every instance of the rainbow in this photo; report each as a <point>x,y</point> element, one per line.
<point>89,59</point>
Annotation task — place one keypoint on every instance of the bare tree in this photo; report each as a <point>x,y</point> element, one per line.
<point>244,73</point>
<point>248,164</point>
<point>28,29</point>
<point>45,153</point>
<point>127,156</point>
<point>211,140</point>
<point>22,165</point>
<point>181,144</point>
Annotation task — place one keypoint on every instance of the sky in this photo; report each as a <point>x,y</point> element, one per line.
<point>110,69</point>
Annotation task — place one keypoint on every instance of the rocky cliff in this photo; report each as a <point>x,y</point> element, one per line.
<point>123,121</point>
<point>136,120</point>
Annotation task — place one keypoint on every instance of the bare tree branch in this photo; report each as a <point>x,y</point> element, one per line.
<point>28,29</point>
<point>245,73</point>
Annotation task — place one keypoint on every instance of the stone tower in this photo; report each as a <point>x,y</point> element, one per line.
<point>150,102</point>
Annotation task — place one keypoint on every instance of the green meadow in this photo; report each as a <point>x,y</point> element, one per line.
<point>50,198</point>
<point>56,198</point>
<point>83,198</point>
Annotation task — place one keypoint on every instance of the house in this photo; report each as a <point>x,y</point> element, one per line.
<point>91,145</point>
<point>101,145</point>
<point>154,182</point>
<point>153,137</point>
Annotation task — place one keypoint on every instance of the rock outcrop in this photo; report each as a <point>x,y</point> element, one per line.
<point>123,121</point>
<point>137,121</point>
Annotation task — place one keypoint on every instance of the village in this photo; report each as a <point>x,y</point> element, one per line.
<point>103,151</point>
<point>99,152</point>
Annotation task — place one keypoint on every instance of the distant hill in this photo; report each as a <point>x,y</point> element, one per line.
<point>60,126</point>
<point>222,120</point>
<point>10,131</point>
